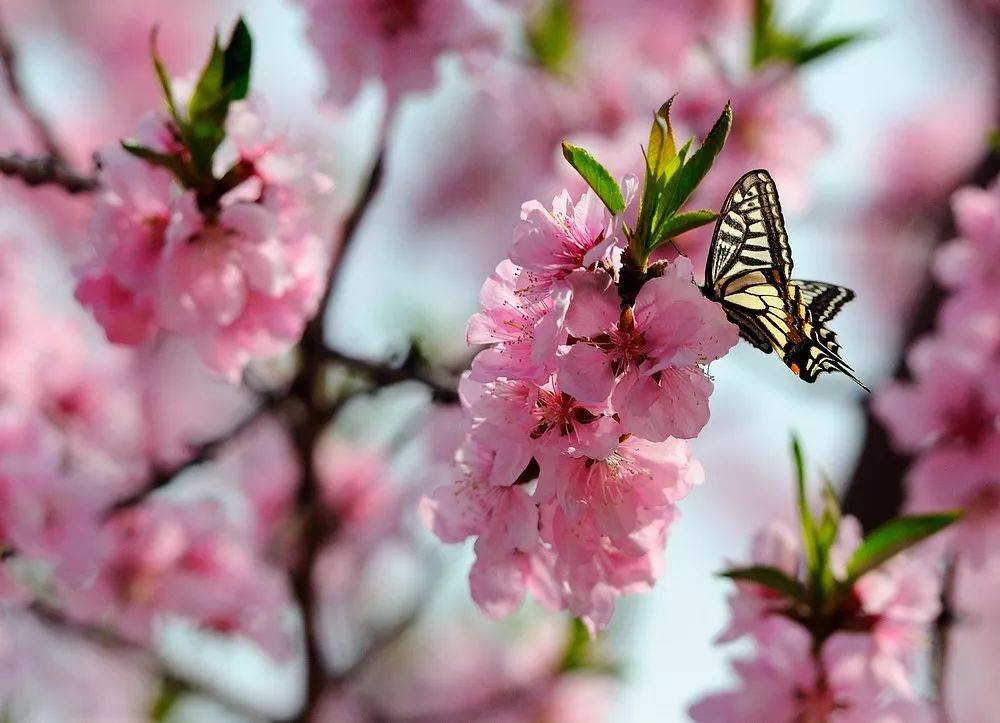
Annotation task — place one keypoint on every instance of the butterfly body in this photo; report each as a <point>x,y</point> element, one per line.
<point>749,273</point>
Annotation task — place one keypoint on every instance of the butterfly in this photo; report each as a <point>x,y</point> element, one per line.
<point>749,273</point>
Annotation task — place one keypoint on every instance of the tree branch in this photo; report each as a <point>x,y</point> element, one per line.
<point>306,388</point>
<point>199,455</point>
<point>39,127</point>
<point>46,170</point>
<point>411,370</point>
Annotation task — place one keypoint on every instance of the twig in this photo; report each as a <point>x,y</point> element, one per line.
<point>199,455</point>
<point>942,629</point>
<point>411,370</point>
<point>306,389</point>
<point>40,128</point>
<point>46,170</point>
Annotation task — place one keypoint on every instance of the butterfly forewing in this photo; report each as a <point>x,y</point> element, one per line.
<point>749,235</point>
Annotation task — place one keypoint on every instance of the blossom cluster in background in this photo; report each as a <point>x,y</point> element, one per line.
<point>840,622</point>
<point>238,276</point>
<point>948,414</point>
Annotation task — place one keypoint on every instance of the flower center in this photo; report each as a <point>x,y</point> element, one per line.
<point>560,411</point>
<point>396,16</point>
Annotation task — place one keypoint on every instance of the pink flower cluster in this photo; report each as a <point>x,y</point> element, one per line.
<point>589,393</point>
<point>948,414</point>
<point>860,671</point>
<point>239,280</point>
<point>395,41</point>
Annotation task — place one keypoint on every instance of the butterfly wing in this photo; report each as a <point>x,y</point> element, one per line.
<point>824,300</point>
<point>749,235</point>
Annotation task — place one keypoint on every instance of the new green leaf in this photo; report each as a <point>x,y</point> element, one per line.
<point>695,168</point>
<point>809,52</point>
<point>771,578</point>
<point>164,160</point>
<point>661,154</point>
<point>892,538</point>
<point>236,62</point>
<point>597,177</point>
<point>550,34</point>
<point>809,534</point>
<point>674,226</point>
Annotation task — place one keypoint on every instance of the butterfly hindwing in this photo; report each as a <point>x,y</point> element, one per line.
<point>748,273</point>
<point>824,300</point>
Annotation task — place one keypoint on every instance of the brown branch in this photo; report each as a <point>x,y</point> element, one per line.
<point>200,454</point>
<point>46,170</point>
<point>313,416</point>
<point>411,370</point>
<point>39,127</point>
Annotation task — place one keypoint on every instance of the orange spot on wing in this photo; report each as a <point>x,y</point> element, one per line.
<point>794,368</point>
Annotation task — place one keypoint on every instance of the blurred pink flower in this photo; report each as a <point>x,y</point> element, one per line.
<point>954,398</point>
<point>786,682</point>
<point>184,560</point>
<point>974,257</point>
<point>885,618</point>
<point>395,41</point>
<point>965,479</point>
<point>240,285</point>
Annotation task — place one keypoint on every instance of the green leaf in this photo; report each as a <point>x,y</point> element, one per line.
<point>164,78</point>
<point>207,90</point>
<point>597,177</point>
<point>762,20</point>
<point>661,154</point>
<point>771,578</point>
<point>225,78</point>
<point>807,53</point>
<point>172,163</point>
<point>830,522</point>
<point>993,140</point>
<point>674,226</point>
<point>236,62</point>
<point>893,537</point>
<point>694,169</point>
<point>809,534</point>
<point>550,35</point>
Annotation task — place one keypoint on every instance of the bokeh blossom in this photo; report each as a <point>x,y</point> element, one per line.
<point>948,413</point>
<point>395,41</point>
<point>859,670</point>
<point>239,281</point>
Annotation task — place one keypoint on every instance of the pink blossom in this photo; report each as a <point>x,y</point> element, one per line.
<point>752,605</point>
<point>239,284</point>
<point>395,41</point>
<point>527,328</point>
<point>966,479</point>
<point>954,398</point>
<point>551,244</point>
<point>185,561</point>
<point>785,681</point>
<point>885,616</point>
<point>974,257</point>
<point>633,486</point>
<point>654,349</point>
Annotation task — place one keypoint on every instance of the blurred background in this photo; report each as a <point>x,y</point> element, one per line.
<point>866,144</point>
